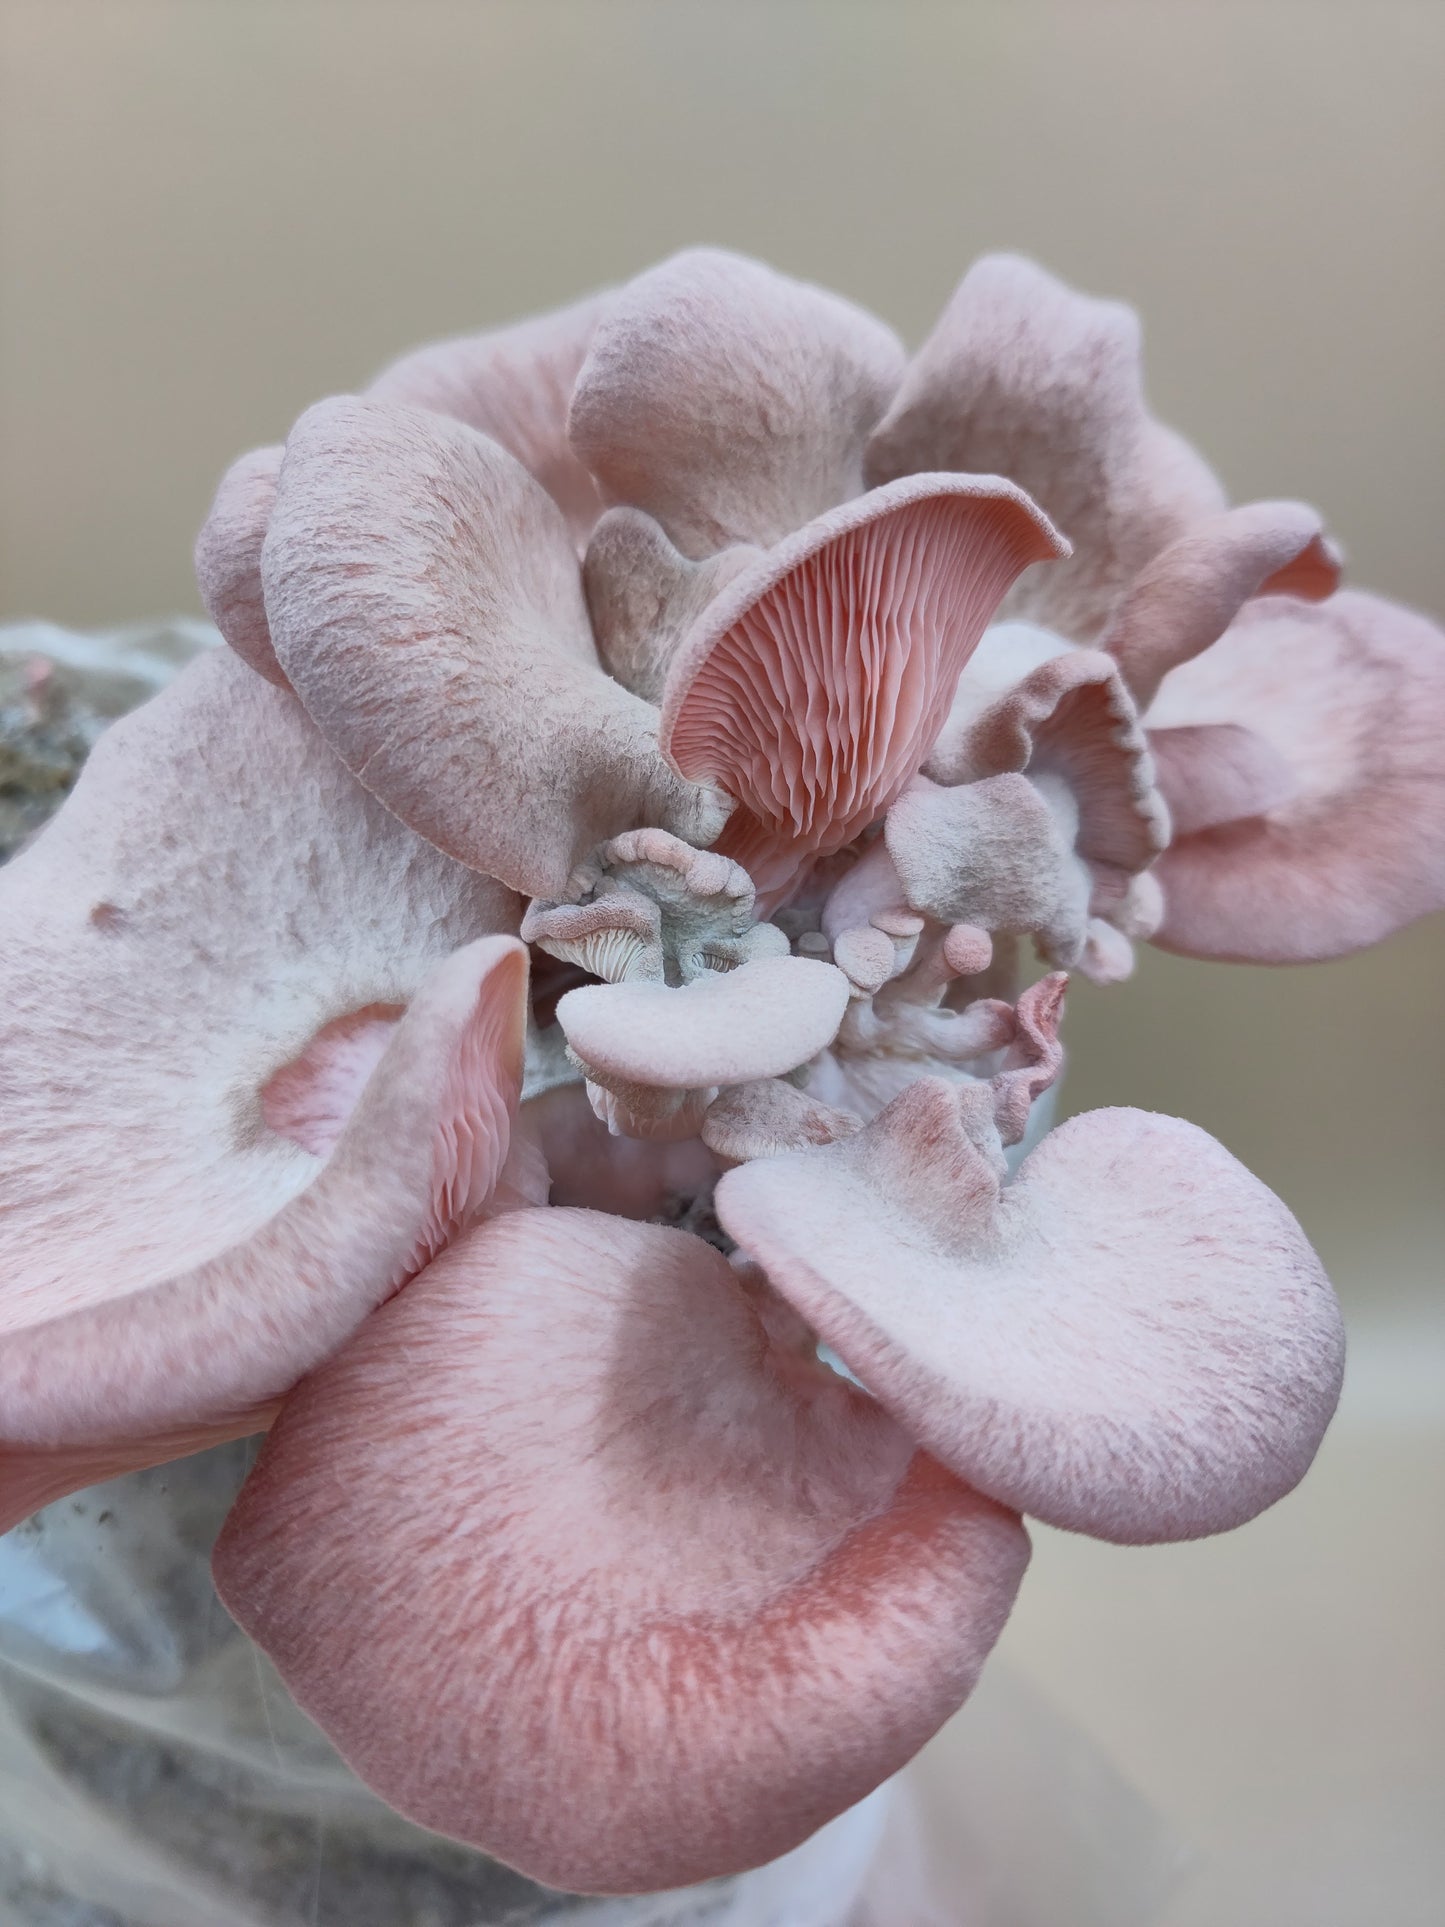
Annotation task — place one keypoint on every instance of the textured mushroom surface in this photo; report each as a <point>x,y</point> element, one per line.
<point>425,602</point>
<point>605,1552</point>
<point>156,982</point>
<point>814,686</point>
<point>729,402</point>
<point>1336,841</point>
<point>1132,1339</point>
<point>1024,377</point>
<point>228,559</point>
<point>728,1027</point>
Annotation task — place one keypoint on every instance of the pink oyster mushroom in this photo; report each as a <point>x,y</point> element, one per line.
<point>647,738</point>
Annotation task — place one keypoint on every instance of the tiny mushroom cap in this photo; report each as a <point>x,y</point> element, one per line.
<point>609,1553</point>
<point>727,1027</point>
<point>866,957</point>
<point>704,902</point>
<point>616,937</point>
<point>294,1017</point>
<point>1131,1339</point>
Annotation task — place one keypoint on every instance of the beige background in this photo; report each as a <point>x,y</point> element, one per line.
<point>211,213</point>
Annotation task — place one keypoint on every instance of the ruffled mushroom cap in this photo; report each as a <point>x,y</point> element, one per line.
<point>885,1043</point>
<point>1301,754</point>
<point>513,385</point>
<point>617,937</point>
<point>1032,1061</point>
<point>1299,825</point>
<point>425,603</point>
<point>622,1593</point>
<point>1132,1339</point>
<point>728,402</point>
<point>1190,593</point>
<point>1050,815</point>
<point>629,1589</point>
<point>1025,378</point>
<point>255,1071</point>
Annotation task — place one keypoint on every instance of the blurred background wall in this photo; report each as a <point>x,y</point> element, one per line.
<point>214,211</point>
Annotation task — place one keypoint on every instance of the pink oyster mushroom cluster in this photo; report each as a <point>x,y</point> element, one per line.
<point>553,987</point>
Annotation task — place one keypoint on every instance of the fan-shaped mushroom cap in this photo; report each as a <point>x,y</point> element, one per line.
<point>728,401</point>
<point>1023,377</point>
<point>815,683</point>
<point>619,1594</point>
<point>425,602</point>
<point>1310,786</point>
<point>1132,1339</point>
<point>218,917</point>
